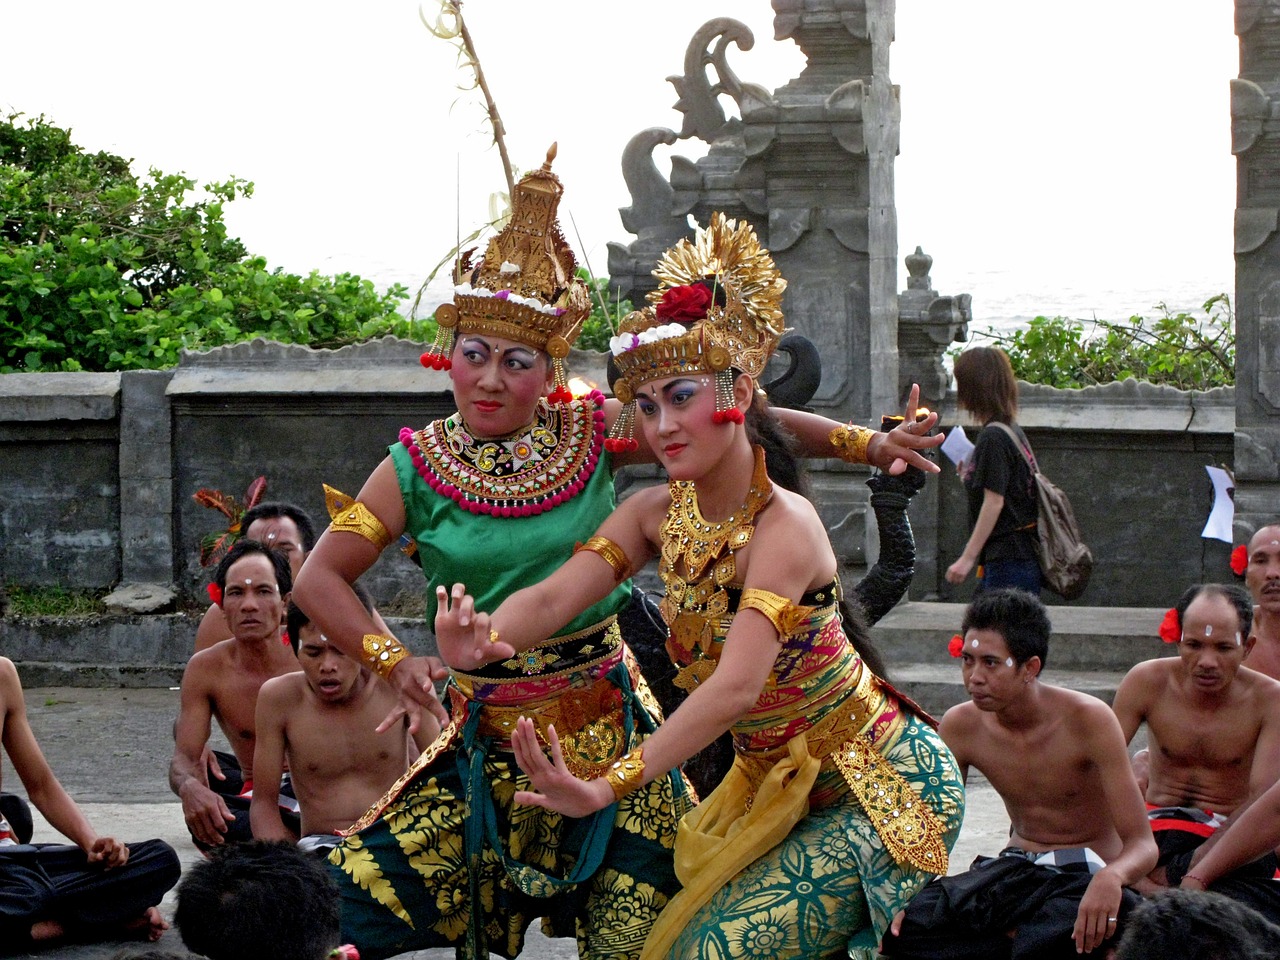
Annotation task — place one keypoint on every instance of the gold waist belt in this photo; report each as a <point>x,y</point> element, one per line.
<point>910,831</point>
<point>589,723</point>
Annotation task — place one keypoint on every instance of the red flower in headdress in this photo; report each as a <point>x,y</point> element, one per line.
<point>956,645</point>
<point>684,304</point>
<point>1170,627</point>
<point>215,593</point>
<point>1239,560</point>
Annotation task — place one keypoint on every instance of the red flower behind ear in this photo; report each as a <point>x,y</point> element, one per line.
<point>956,645</point>
<point>215,593</point>
<point>1239,560</point>
<point>684,304</point>
<point>1170,627</point>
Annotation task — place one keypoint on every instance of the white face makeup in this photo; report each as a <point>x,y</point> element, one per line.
<point>1008,661</point>
<point>1208,630</point>
<point>973,642</point>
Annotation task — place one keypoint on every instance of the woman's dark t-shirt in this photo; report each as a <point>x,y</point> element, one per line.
<point>997,465</point>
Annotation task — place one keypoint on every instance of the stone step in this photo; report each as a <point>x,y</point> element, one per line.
<point>1084,638</point>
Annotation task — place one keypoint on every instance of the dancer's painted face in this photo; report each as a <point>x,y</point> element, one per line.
<point>497,383</point>
<point>675,414</point>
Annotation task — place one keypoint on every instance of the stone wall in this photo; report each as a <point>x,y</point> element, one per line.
<point>97,471</point>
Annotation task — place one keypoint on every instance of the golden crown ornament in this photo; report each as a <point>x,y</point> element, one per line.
<point>717,309</point>
<point>525,288</point>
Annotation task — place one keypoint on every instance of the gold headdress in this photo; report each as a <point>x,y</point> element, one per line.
<point>525,288</point>
<point>718,308</point>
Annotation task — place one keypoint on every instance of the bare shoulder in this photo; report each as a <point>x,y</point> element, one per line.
<point>285,689</point>
<point>960,726</point>
<point>1264,689</point>
<point>790,533</point>
<point>788,509</point>
<point>209,662</point>
<point>10,686</point>
<point>1085,712</point>
<point>1148,675</point>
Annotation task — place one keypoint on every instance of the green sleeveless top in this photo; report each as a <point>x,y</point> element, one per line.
<point>499,515</point>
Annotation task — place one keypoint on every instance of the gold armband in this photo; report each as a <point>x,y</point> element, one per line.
<point>381,654</point>
<point>612,554</point>
<point>850,442</point>
<point>626,774</point>
<point>352,516</point>
<point>782,613</point>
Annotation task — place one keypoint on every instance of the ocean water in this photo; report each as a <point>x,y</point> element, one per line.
<point>1006,300</point>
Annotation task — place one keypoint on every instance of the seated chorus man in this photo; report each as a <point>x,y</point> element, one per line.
<point>260,900</point>
<point>1079,838</point>
<point>222,683</point>
<point>1213,726</point>
<point>95,890</point>
<point>1262,577</point>
<point>285,527</point>
<point>321,724</point>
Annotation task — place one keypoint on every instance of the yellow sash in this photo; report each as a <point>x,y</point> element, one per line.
<point>729,830</point>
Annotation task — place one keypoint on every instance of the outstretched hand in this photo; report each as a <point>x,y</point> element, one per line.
<point>555,788</point>
<point>898,449</point>
<point>415,679</point>
<point>463,635</point>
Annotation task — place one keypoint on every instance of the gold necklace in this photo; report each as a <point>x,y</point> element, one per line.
<point>693,600</point>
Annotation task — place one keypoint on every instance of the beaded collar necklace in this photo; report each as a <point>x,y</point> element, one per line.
<point>532,471</point>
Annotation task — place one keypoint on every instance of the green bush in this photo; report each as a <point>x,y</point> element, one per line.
<point>1178,350</point>
<point>102,271</point>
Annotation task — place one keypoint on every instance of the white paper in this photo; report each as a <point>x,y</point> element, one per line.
<point>957,446</point>
<point>1224,508</point>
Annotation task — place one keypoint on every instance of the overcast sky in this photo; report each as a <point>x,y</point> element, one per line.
<point>1082,145</point>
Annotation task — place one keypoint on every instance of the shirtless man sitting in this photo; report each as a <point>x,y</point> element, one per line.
<point>1213,727</point>
<point>95,890</point>
<point>281,526</point>
<point>222,683</point>
<point>1262,577</point>
<point>1079,836</point>
<point>323,722</point>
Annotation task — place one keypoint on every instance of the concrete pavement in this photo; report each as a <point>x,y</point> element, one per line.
<point>111,748</point>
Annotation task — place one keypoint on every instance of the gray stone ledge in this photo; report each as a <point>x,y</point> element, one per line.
<point>386,366</point>
<point>1128,405</point>
<point>59,396</point>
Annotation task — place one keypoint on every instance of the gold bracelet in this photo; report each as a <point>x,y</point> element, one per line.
<point>381,654</point>
<point>626,774</point>
<point>850,442</point>
<point>612,554</point>
<point>352,516</point>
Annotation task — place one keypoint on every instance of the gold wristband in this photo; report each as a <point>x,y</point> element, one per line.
<point>352,516</point>
<point>850,442</point>
<point>626,774</point>
<point>381,654</point>
<point>613,555</point>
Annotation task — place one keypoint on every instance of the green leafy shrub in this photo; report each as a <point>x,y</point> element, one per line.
<point>102,271</point>
<point>1178,350</point>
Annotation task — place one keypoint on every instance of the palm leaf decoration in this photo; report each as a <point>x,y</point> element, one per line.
<point>214,546</point>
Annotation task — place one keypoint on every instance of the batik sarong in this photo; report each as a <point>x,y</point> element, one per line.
<point>449,859</point>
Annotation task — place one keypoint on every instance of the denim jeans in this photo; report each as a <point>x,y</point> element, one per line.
<point>1018,574</point>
